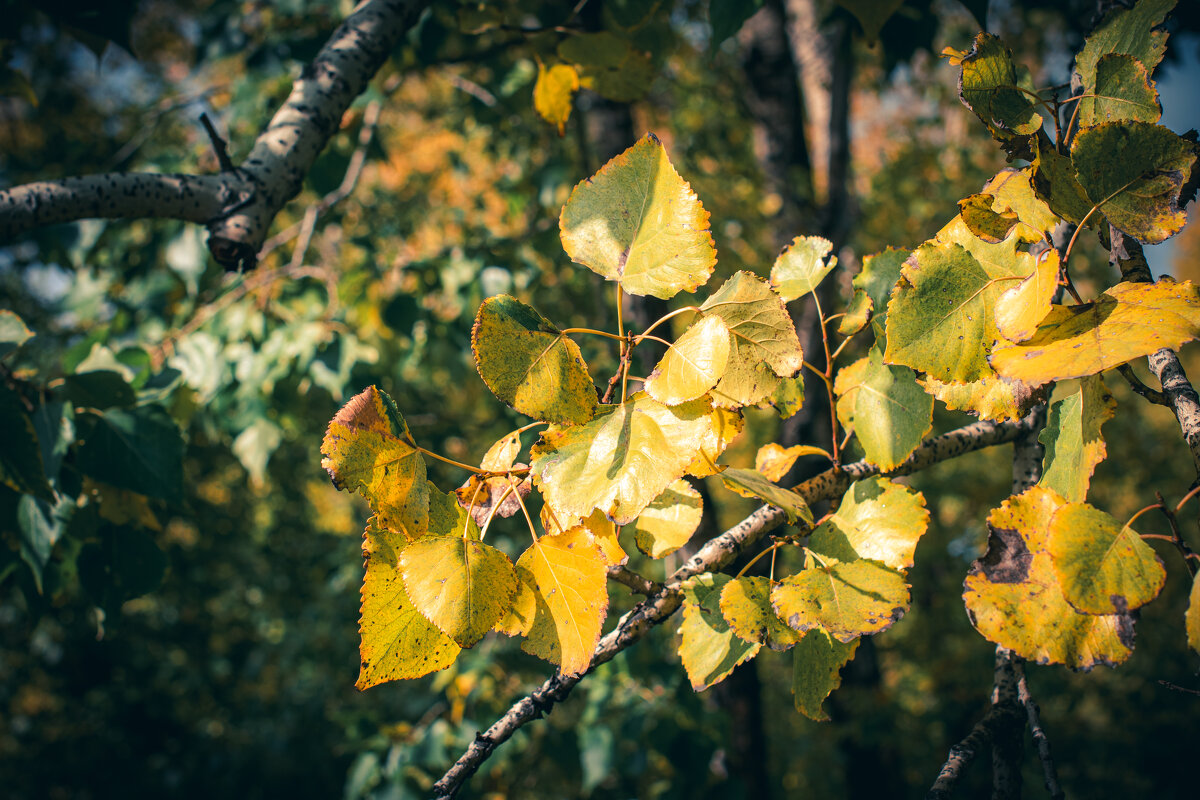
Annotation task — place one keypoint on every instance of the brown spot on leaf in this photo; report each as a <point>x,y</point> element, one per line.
<point>1007,559</point>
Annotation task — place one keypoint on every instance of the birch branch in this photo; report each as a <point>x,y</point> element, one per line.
<point>238,205</point>
<point>715,555</point>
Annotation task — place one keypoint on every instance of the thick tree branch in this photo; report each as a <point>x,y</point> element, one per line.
<point>237,206</point>
<point>715,555</point>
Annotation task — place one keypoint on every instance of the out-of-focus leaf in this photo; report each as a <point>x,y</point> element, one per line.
<point>728,16</point>
<point>554,92</point>
<point>871,14</point>
<point>125,564</point>
<point>609,65</point>
<point>140,449</point>
<point>13,332</point>
<point>1192,616</point>
<point>100,389</point>
<point>21,466</point>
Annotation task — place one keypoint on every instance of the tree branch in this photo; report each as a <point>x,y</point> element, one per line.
<point>715,555</point>
<point>237,206</point>
<point>1039,739</point>
<point>966,751</point>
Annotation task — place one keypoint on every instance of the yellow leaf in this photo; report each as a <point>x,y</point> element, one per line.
<point>1192,617</point>
<point>461,585</point>
<point>995,397</point>
<point>1021,309</point>
<point>725,426</point>
<point>774,460</point>
<point>601,527</point>
<point>669,521</point>
<point>848,599</point>
<point>692,365</point>
<point>708,647</point>
<point>845,389</point>
<point>746,604</point>
<point>802,266</point>
<point>877,519</point>
<point>553,93</point>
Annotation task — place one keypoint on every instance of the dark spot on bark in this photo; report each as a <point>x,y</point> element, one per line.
<point>1007,559</point>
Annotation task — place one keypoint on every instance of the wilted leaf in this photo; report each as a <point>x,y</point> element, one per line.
<point>746,604</point>
<point>530,364</point>
<point>622,459</point>
<point>1073,440</point>
<point>640,224</point>
<point>669,521</point>
<point>989,86</point>
<point>1014,599</point>
<point>553,93</point>
<point>802,266</point>
<point>1021,309</point>
<point>692,365</point>
<point>788,397</point>
<point>1128,321</point>
<point>1104,567</point>
<point>847,599</point>
<point>749,483</point>
<point>708,647</point>
<point>1123,91</point>
<point>892,413</point>
<point>369,450</point>
<point>774,460</point>
<point>878,519</point>
<point>984,221</point>
<point>461,585</point>
<point>397,642</point>
<point>480,495</point>
<point>817,661</point>
<point>568,575</point>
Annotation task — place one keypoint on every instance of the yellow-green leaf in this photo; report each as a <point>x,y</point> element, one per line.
<point>669,521</point>
<point>368,449</point>
<point>708,647</point>
<point>989,86</point>
<point>461,585</point>
<point>750,483</point>
<point>1021,309</point>
<point>847,599</point>
<point>878,278</point>
<point>724,427</point>
<point>878,519</point>
<point>553,93</point>
<point>1192,616</point>
<point>397,642</point>
<point>1104,567</point>
<point>622,459</point>
<point>817,661</point>
<point>774,460</point>
<point>892,412</point>
<point>845,389</point>
<point>640,224</point>
<point>984,221</point>
<point>746,604</point>
<point>1012,192</point>
<point>788,397</point>
<point>692,364</point>
<point>609,65</point>
<point>802,266</point>
<point>1123,90</point>
<point>1073,440</point>
<point>1055,181</point>
<point>530,364</point>
<point>568,575</point>
<point>1135,31</point>
<point>1127,321</point>
<point>1014,599</point>
<point>994,397</point>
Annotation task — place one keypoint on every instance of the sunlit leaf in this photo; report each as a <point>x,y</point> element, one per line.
<point>1128,321</point>
<point>692,364</point>
<point>638,223</point>
<point>725,426</point>
<point>750,483</point>
<point>1014,599</point>
<point>669,521</point>
<point>845,388</point>
<point>878,519</point>
<point>708,647</point>
<point>995,397</point>
<point>553,93</point>
<point>568,574</point>
<point>622,459</point>
<point>1123,90</point>
<point>603,530</point>
<point>530,364</point>
<point>817,661</point>
<point>397,642</point>
<point>989,86</point>
<point>1073,440</point>
<point>1104,567</point>
<point>1135,171</point>
<point>847,599</point>
<point>368,450</point>
<point>802,266</point>
<point>461,585</point>
<point>892,413</point>
<point>1021,309</point>
<point>746,604</point>
<point>774,460</point>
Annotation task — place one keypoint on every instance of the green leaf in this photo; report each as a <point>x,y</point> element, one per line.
<point>140,449</point>
<point>880,273</point>
<point>640,224</point>
<point>727,17</point>
<point>708,647</point>
<point>622,459</point>
<point>530,364</point>
<point>746,604</point>
<point>892,412</point>
<point>1073,440</point>
<point>984,221</point>
<point>847,599</point>
<point>21,465</point>
<point>568,576</point>
<point>669,521</point>
<point>40,524</point>
<point>397,642</point>
<point>750,483</point>
<point>1123,91</point>
<point>692,364</point>
<point>1135,171</point>
<point>989,86</point>
<point>13,332</point>
<point>1134,32</point>
<point>995,397</point>
<point>553,93</point>
<point>878,519</point>
<point>817,661</point>
<point>763,345</point>
<point>1104,567</point>
<point>1128,321</point>
<point>1014,598</point>
<point>871,14</point>
<point>1055,182</point>
<point>802,266</point>
<point>99,389</point>
<point>609,65</point>
<point>1020,309</point>
<point>460,585</point>
<point>369,450</point>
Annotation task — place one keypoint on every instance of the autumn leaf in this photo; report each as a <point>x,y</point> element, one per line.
<point>817,660</point>
<point>892,412</point>
<point>774,460</point>
<point>994,397</point>
<point>750,483</point>
<point>847,599</point>
<point>801,267</point>
<point>746,604</point>
<point>1073,440</point>
<point>553,93</point>
<point>692,364</point>
<point>877,519</point>
<point>989,86</point>
<point>708,647</point>
<point>669,521</point>
<point>602,529</point>
<point>1022,308</point>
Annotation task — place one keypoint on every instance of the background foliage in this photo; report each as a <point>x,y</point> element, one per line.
<point>235,673</point>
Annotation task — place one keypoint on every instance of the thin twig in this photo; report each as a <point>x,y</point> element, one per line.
<point>966,751</point>
<point>219,144</point>
<point>1040,740</point>
<point>1176,538</point>
<point>1135,383</point>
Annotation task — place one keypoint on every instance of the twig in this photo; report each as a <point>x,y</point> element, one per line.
<point>219,144</point>
<point>1176,538</point>
<point>1177,688</point>
<point>638,583</point>
<point>1135,383</point>
<point>1039,738</point>
<point>715,555</point>
<point>472,88</point>
<point>966,751</point>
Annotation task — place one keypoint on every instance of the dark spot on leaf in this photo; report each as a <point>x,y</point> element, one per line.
<point>1007,559</point>
<point>1125,629</point>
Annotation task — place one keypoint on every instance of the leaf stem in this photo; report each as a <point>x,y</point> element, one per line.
<point>594,332</point>
<point>451,461</point>
<point>664,318</point>
<point>521,502</point>
<point>774,546</point>
<point>827,376</point>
